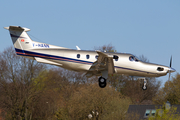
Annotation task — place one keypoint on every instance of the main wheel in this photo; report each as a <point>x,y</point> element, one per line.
<point>102,85</point>
<point>102,82</point>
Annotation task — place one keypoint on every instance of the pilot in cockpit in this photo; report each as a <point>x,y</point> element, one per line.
<point>131,58</point>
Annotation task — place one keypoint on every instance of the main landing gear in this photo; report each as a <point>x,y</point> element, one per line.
<point>102,82</point>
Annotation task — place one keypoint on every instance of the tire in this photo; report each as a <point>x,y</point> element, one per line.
<point>102,85</point>
<point>144,87</point>
<point>102,80</point>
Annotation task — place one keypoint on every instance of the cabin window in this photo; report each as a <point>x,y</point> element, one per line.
<point>96,56</point>
<point>87,56</point>
<point>115,57</point>
<point>78,55</point>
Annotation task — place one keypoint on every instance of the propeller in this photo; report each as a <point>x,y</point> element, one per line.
<point>170,68</point>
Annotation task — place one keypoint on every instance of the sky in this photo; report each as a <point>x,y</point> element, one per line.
<point>140,27</point>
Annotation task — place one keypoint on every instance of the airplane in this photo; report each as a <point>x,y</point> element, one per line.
<point>94,63</point>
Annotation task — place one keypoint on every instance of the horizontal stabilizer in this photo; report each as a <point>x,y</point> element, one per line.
<point>17,28</point>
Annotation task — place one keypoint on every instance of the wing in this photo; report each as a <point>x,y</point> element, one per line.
<point>47,61</point>
<point>104,63</point>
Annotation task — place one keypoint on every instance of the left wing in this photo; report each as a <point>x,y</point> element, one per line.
<point>103,64</point>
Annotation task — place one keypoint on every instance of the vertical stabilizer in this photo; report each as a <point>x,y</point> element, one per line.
<point>19,37</point>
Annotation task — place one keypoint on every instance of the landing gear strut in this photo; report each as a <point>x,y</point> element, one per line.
<point>102,82</point>
<point>144,87</point>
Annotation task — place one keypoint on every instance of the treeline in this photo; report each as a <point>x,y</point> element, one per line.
<point>35,91</point>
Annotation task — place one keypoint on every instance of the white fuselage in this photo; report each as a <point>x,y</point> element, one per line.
<point>81,60</point>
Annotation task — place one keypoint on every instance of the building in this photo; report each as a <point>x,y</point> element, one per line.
<point>144,111</point>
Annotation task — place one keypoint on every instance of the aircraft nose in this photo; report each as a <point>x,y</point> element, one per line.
<point>170,70</point>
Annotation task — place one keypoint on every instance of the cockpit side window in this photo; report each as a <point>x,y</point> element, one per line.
<point>135,59</point>
<point>132,58</point>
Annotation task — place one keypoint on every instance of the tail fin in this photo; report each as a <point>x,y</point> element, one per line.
<point>20,38</point>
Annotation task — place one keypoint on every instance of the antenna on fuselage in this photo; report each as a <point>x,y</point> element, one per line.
<point>78,48</point>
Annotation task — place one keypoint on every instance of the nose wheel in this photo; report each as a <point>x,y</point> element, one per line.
<point>102,82</point>
<point>144,87</point>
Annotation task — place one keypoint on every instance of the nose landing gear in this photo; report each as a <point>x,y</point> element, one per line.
<point>144,87</point>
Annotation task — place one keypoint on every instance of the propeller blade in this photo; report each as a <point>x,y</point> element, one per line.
<point>170,67</point>
<point>170,62</point>
<point>169,76</point>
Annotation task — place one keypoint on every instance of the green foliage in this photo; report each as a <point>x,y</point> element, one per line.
<point>40,80</point>
<point>170,92</point>
<point>132,87</point>
<point>107,102</point>
<point>18,92</point>
<point>117,109</point>
<point>166,114</point>
<point>62,114</point>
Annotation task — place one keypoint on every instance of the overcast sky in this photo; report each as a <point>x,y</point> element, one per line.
<point>141,27</point>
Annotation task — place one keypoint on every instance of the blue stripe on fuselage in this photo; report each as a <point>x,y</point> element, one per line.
<point>41,55</point>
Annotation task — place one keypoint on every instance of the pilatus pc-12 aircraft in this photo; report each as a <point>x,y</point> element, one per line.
<point>92,62</point>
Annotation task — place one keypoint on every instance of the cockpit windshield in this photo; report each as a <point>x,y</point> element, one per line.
<point>134,58</point>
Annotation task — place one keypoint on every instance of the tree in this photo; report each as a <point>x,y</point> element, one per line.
<point>143,58</point>
<point>165,114</point>
<point>103,104</point>
<point>170,92</point>
<point>18,91</point>
<point>106,48</point>
<point>133,89</point>
<point>59,86</point>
